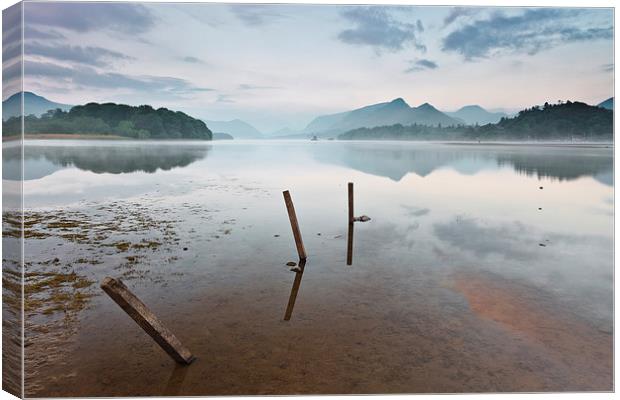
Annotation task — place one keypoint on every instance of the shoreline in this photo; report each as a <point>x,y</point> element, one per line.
<point>66,136</point>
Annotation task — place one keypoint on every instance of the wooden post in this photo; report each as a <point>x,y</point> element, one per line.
<point>351,217</point>
<point>139,312</point>
<point>350,244</point>
<point>294,291</point>
<point>294,225</point>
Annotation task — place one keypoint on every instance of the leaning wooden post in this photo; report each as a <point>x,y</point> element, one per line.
<point>351,217</point>
<point>294,225</point>
<point>138,311</point>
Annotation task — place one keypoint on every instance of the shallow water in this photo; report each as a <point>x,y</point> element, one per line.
<point>483,267</point>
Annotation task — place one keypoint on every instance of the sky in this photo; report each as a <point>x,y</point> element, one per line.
<point>279,66</point>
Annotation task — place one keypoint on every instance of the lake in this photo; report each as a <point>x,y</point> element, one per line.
<point>484,267</point>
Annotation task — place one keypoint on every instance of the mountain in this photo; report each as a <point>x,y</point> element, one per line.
<point>474,114</point>
<point>236,128</point>
<point>608,104</point>
<point>33,104</point>
<point>396,111</point>
<point>566,121</point>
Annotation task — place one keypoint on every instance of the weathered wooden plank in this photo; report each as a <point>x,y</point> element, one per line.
<point>294,290</point>
<point>140,313</point>
<point>294,225</point>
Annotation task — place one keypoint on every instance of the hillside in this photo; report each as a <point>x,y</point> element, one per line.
<point>474,114</point>
<point>33,104</point>
<point>562,121</point>
<point>222,136</point>
<point>142,122</point>
<point>236,128</point>
<point>608,104</point>
<point>396,111</point>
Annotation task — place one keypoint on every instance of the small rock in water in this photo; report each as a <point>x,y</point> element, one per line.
<point>291,264</point>
<point>184,248</point>
<point>276,235</point>
<point>337,236</point>
<point>540,187</point>
<point>296,269</point>
<point>318,234</point>
<point>539,208</point>
<point>542,245</point>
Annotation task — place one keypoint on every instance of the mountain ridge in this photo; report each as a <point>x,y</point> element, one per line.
<point>237,128</point>
<point>474,114</point>
<point>33,104</point>
<point>385,113</point>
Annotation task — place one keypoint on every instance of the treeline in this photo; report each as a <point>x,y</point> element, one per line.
<point>405,132</point>
<point>142,122</point>
<point>561,121</point>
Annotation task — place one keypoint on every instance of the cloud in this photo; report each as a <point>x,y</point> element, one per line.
<point>84,76</point>
<point>421,65</point>
<point>510,240</point>
<point>84,17</point>
<point>192,60</point>
<point>256,14</point>
<point>458,12</point>
<point>419,26</point>
<point>376,27</point>
<point>95,56</point>
<point>33,33</point>
<point>224,98</point>
<point>530,32</point>
<point>246,86</point>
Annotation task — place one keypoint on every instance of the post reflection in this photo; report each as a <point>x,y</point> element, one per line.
<point>296,283</point>
<point>350,244</point>
<point>175,382</point>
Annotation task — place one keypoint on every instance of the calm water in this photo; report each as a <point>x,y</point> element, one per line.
<point>483,268</point>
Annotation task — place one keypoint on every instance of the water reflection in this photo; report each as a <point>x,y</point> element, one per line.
<point>41,161</point>
<point>395,160</point>
<point>175,382</point>
<point>350,243</point>
<point>299,272</point>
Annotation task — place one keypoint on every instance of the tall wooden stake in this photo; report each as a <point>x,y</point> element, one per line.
<point>351,217</point>
<point>294,225</point>
<point>139,312</point>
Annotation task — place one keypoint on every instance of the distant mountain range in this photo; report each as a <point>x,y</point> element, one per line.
<point>396,111</point>
<point>564,121</point>
<point>389,113</point>
<point>474,114</point>
<point>237,128</point>
<point>33,104</point>
<point>608,104</point>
